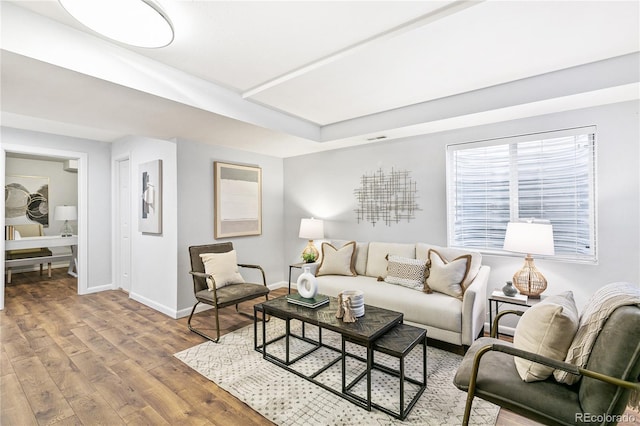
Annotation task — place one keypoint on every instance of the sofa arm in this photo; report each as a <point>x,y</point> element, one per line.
<point>474,306</point>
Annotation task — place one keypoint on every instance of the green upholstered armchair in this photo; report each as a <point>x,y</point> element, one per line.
<point>488,371</point>
<point>231,294</point>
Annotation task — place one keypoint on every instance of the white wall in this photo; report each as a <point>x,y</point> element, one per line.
<point>99,189</point>
<point>153,256</point>
<point>195,213</point>
<point>322,185</point>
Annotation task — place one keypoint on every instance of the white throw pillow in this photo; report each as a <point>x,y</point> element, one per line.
<point>422,252</point>
<point>446,276</point>
<point>338,261</point>
<point>406,272</point>
<point>223,267</point>
<point>362,250</point>
<point>545,329</point>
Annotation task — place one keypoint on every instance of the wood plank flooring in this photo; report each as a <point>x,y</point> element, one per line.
<point>106,359</point>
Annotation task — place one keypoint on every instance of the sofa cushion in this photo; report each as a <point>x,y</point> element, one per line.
<point>223,267</point>
<point>406,272</point>
<point>378,252</point>
<point>422,252</point>
<point>446,276</point>
<point>546,329</point>
<point>337,261</point>
<point>362,249</point>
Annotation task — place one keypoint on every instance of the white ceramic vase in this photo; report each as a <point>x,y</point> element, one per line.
<point>307,283</point>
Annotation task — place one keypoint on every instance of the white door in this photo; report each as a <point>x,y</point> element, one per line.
<point>124,227</point>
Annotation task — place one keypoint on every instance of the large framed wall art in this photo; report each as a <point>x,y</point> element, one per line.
<point>27,199</point>
<point>238,200</point>
<point>150,202</point>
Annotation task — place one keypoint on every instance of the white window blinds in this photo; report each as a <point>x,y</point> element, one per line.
<point>547,176</point>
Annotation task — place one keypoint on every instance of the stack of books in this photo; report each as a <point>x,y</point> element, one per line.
<point>313,302</point>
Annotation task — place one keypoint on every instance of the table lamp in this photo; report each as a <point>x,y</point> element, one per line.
<point>530,237</point>
<point>66,213</point>
<point>311,229</point>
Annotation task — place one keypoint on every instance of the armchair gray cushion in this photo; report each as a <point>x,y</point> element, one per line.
<point>616,353</point>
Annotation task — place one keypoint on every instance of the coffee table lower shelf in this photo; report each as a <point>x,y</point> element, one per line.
<point>398,342</point>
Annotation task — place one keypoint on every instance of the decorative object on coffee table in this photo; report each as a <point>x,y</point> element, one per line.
<point>350,305</point>
<point>307,283</point>
<point>530,237</point>
<point>311,229</point>
<point>509,289</point>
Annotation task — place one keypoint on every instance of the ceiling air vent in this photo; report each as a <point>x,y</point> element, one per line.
<point>376,138</point>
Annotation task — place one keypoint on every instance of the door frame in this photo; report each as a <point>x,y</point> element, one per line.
<point>83,186</point>
<point>115,167</point>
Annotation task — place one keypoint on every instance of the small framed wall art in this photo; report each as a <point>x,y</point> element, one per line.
<point>150,190</point>
<point>238,200</point>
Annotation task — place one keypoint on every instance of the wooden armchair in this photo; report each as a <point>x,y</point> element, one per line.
<point>28,230</point>
<point>488,371</point>
<point>230,294</point>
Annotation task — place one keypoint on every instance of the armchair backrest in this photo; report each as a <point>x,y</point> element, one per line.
<point>29,229</point>
<point>197,265</point>
<point>616,352</point>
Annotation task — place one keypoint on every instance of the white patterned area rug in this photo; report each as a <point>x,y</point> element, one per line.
<point>286,399</point>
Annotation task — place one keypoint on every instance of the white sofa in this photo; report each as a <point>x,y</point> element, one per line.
<point>447,318</point>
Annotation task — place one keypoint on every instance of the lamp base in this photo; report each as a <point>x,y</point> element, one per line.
<point>67,230</point>
<point>529,280</point>
<point>310,249</point>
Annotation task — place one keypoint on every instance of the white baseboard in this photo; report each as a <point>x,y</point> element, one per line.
<point>186,311</point>
<point>99,288</point>
<point>152,304</point>
<point>279,284</point>
<point>203,307</point>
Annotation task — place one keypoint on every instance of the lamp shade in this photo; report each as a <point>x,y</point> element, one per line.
<point>529,238</point>
<point>311,229</point>
<point>65,213</point>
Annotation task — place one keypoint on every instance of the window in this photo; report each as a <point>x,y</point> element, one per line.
<point>548,176</point>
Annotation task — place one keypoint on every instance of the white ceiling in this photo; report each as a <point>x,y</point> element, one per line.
<point>288,78</point>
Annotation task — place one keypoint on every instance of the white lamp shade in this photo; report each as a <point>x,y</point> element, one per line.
<point>311,229</point>
<point>529,238</point>
<point>65,213</point>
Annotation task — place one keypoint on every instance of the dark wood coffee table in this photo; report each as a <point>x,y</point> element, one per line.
<point>365,332</point>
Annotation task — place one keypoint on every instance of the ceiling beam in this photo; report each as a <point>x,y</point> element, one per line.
<point>418,22</point>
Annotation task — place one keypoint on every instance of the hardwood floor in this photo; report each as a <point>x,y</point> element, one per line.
<point>103,359</point>
<point>106,359</point>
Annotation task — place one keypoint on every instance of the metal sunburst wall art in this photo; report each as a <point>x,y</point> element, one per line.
<point>386,197</point>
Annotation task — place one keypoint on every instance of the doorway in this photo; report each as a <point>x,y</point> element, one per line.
<point>82,181</point>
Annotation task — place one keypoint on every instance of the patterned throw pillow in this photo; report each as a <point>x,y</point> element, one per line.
<point>406,272</point>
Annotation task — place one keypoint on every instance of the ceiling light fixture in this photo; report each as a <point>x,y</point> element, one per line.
<point>140,23</point>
